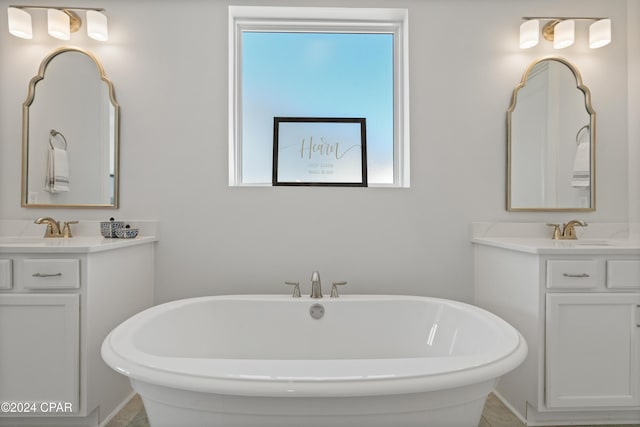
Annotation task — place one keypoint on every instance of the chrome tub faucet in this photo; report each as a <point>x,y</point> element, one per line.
<point>316,288</point>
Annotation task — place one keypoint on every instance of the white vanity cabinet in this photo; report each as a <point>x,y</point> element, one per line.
<point>578,307</point>
<point>57,303</point>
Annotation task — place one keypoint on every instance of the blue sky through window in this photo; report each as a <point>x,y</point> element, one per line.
<point>303,74</point>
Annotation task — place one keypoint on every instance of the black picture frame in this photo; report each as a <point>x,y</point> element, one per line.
<point>319,151</point>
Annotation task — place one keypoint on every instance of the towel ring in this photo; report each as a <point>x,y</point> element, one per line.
<point>53,134</point>
<point>579,134</point>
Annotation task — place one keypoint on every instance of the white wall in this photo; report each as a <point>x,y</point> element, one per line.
<point>168,62</point>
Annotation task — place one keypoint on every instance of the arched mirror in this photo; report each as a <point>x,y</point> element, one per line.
<point>70,134</point>
<point>551,140</point>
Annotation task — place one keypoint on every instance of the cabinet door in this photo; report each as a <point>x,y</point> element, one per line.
<point>39,349</point>
<point>592,350</point>
<point>6,281</point>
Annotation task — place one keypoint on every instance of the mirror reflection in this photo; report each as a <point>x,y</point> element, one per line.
<point>551,140</point>
<point>70,134</point>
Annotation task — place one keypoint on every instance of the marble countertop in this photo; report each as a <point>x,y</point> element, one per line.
<point>22,236</point>
<point>82,244</point>
<point>535,238</point>
<point>548,246</point>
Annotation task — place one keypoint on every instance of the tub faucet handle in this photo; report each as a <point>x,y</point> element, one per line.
<point>296,288</point>
<point>334,288</point>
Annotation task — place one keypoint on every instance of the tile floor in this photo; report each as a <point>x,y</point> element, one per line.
<point>495,414</point>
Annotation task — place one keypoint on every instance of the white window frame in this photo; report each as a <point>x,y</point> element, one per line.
<point>321,19</point>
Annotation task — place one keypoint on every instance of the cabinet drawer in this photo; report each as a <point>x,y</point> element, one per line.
<point>624,274</point>
<point>6,281</point>
<point>574,274</point>
<point>51,274</point>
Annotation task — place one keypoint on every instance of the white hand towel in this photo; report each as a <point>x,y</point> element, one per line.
<point>57,178</point>
<point>581,166</point>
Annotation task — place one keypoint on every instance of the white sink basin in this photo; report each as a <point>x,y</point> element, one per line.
<point>19,240</point>
<point>593,242</point>
<point>48,241</point>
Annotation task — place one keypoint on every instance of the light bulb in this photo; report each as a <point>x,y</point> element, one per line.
<point>529,33</point>
<point>600,33</point>
<point>19,23</point>
<point>58,24</point>
<point>564,34</point>
<point>97,27</point>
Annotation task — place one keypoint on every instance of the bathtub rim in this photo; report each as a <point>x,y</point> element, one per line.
<point>152,370</point>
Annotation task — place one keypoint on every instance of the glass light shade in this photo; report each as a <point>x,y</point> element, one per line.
<point>58,24</point>
<point>600,33</point>
<point>19,23</point>
<point>564,34</point>
<point>97,27</point>
<point>529,33</point>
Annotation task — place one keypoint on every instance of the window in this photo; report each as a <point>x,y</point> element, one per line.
<point>317,62</point>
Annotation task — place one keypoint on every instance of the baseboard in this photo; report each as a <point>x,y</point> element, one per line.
<point>117,409</point>
<point>513,410</point>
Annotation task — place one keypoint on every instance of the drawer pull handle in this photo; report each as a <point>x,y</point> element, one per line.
<point>47,274</point>
<point>576,275</point>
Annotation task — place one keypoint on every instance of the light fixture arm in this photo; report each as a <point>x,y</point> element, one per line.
<point>22,6</point>
<point>548,30</point>
<point>74,20</point>
<point>563,18</point>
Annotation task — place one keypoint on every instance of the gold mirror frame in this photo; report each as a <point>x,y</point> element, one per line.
<point>592,130</point>
<point>25,133</point>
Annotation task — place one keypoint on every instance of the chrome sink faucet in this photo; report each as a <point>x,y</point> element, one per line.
<point>316,288</point>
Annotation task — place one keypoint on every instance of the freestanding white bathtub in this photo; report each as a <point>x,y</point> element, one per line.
<point>264,361</point>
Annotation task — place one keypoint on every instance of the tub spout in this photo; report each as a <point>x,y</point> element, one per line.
<point>316,288</point>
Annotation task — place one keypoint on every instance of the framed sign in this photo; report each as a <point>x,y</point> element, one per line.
<point>319,151</point>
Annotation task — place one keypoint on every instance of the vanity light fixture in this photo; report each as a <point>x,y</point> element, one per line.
<point>561,31</point>
<point>61,22</point>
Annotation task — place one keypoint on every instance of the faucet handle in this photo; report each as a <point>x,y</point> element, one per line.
<point>296,288</point>
<point>66,230</point>
<point>334,288</point>
<point>557,235</point>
